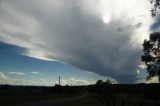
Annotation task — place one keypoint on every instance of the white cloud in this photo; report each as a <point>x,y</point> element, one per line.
<point>75,32</point>
<point>152,80</point>
<point>142,66</point>
<point>37,54</point>
<point>2,76</point>
<point>17,73</point>
<point>138,72</point>
<point>89,72</point>
<point>72,78</point>
<point>35,72</point>
<point>75,81</point>
<point>4,79</point>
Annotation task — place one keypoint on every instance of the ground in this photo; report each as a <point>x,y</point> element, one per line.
<point>52,100</point>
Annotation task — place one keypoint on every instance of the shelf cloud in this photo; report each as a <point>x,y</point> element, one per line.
<point>16,73</point>
<point>99,36</point>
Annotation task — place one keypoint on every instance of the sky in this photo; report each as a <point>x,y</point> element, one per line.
<point>80,40</point>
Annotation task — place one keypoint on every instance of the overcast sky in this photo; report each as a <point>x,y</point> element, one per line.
<point>90,38</point>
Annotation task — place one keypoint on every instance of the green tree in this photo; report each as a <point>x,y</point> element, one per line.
<point>155,8</point>
<point>108,82</point>
<point>151,55</point>
<point>99,82</point>
<point>151,47</point>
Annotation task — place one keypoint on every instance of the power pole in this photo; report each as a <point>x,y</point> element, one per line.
<point>59,79</point>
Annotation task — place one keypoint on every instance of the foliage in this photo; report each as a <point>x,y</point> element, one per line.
<point>100,82</point>
<point>156,7</point>
<point>151,56</point>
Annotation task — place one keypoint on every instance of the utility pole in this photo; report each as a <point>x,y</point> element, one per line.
<point>59,79</point>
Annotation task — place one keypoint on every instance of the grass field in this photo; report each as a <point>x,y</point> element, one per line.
<point>88,100</point>
<point>13,100</point>
<point>19,99</point>
<point>32,95</point>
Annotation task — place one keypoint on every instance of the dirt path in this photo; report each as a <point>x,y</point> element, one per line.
<point>55,102</point>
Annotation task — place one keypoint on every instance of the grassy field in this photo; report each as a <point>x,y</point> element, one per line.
<point>88,100</point>
<point>19,99</point>
<point>100,97</point>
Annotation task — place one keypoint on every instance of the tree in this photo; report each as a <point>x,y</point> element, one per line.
<point>155,8</point>
<point>151,56</point>
<point>151,47</point>
<point>108,82</point>
<point>99,82</point>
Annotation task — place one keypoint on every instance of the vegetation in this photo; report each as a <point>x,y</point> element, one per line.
<point>151,47</point>
<point>88,100</point>
<point>151,56</point>
<point>14,95</point>
<point>100,94</point>
<point>156,7</point>
<point>126,94</point>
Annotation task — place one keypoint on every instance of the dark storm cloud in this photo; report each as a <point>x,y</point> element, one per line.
<point>77,33</point>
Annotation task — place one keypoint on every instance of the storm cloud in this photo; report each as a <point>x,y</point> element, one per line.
<point>100,36</point>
